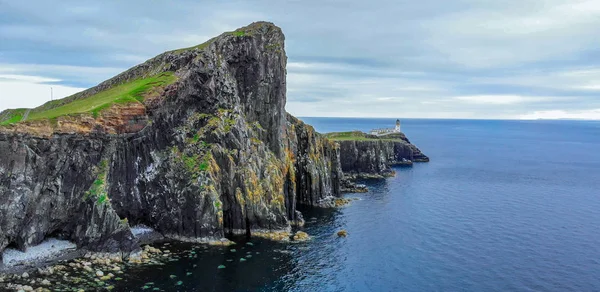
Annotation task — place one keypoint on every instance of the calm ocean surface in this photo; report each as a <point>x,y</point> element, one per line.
<point>502,206</point>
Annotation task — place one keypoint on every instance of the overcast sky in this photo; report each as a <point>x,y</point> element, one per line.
<point>507,59</point>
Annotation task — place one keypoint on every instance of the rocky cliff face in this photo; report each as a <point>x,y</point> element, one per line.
<point>212,154</point>
<point>373,156</point>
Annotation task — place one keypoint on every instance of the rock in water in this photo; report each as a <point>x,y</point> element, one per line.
<point>301,236</point>
<point>342,233</point>
<point>205,149</point>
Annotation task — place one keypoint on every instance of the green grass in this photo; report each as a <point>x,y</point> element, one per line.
<point>194,164</point>
<point>103,198</point>
<point>353,136</point>
<point>125,93</point>
<point>199,47</point>
<point>96,189</point>
<point>13,116</point>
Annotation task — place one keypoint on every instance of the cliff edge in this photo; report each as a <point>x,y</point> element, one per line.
<point>365,155</point>
<point>194,143</point>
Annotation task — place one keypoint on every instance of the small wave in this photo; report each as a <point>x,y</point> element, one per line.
<point>141,229</point>
<point>48,248</point>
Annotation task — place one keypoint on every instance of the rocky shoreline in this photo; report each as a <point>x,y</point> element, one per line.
<point>216,153</point>
<point>209,156</point>
<point>88,271</point>
<point>369,156</point>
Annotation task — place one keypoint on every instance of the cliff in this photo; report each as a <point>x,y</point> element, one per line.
<point>194,143</point>
<point>371,156</point>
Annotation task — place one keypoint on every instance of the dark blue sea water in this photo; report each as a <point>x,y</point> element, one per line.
<point>502,206</point>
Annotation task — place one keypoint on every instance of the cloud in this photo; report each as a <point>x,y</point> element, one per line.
<point>432,58</point>
<point>513,33</point>
<point>593,114</point>
<point>64,74</point>
<point>499,99</point>
<point>20,91</point>
<point>28,79</point>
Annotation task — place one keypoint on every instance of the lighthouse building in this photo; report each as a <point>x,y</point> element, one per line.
<point>386,131</point>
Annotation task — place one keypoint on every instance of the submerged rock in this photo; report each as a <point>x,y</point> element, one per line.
<point>301,236</point>
<point>342,233</point>
<point>221,242</point>
<point>275,235</point>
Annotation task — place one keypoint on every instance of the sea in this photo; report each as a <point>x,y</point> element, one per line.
<point>501,206</point>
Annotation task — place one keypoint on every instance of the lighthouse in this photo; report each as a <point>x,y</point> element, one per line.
<point>397,126</point>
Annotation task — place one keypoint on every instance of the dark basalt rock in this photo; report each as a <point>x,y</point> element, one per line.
<point>219,155</point>
<point>216,154</point>
<point>374,156</point>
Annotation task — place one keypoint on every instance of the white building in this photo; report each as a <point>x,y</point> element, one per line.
<point>381,132</point>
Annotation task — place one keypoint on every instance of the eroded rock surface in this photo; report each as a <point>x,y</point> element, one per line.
<point>213,154</point>
<point>373,157</point>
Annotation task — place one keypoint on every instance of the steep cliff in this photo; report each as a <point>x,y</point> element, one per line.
<point>196,144</point>
<point>368,155</point>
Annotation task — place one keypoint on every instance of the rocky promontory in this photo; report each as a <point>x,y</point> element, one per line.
<point>195,144</point>
<point>365,155</point>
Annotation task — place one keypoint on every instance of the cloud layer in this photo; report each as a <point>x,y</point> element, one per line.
<point>383,58</point>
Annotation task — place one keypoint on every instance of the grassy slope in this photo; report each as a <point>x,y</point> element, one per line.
<point>124,93</point>
<point>354,136</point>
<point>129,92</point>
<point>12,116</point>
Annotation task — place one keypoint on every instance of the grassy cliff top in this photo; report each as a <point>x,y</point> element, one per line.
<point>133,91</point>
<point>249,30</point>
<point>129,86</point>
<point>357,136</point>
<point>11,116</point>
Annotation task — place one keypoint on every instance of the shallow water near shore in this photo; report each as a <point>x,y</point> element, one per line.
<point>502,206</point>
<point>253,265</point>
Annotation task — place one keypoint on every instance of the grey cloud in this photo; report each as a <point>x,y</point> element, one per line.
<point>362,58</point>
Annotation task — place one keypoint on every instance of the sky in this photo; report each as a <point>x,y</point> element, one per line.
<point>473,59</point>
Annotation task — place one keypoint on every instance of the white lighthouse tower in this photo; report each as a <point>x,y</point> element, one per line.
<point>397,129</point>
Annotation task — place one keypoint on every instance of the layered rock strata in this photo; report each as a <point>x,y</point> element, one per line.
<point>373,156</point>
<point>212,154</point>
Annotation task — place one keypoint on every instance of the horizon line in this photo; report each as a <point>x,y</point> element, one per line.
<point>466,119</point>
